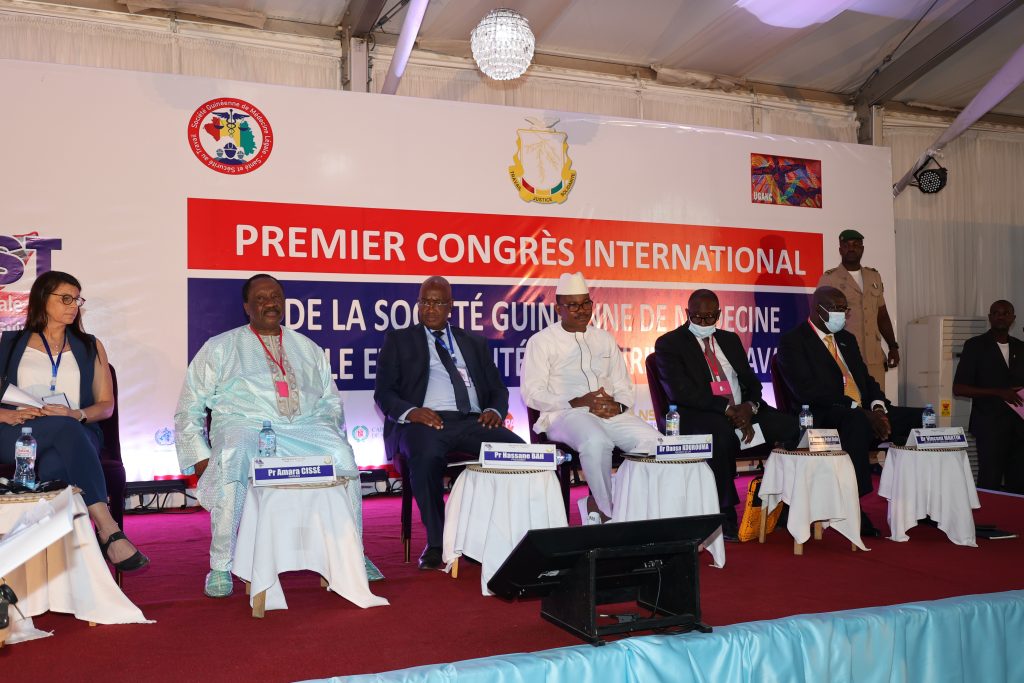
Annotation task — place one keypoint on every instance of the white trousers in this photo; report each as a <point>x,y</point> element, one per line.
<point>595,438</point>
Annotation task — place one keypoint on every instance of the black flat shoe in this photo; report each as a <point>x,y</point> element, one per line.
<point>129,564</point>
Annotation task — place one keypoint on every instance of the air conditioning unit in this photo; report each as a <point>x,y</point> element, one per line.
<point>931,354</point>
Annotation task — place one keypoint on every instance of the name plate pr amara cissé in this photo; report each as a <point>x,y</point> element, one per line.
<point>687,446</point>
<point>512,456</point>
<point>312,469</point>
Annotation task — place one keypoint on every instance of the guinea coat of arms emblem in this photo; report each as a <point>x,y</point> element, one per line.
<point>230,136</point>
<point>541,168</point>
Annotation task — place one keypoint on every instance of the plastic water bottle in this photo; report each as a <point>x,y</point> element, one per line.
<point>25,459</point>
<point>672,420</point>
<point>562,457</point>
<point>806,418</point>
<point>268,441</point>
<point>928,419</point>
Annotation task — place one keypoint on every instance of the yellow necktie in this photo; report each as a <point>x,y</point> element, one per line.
<point>849,386</point>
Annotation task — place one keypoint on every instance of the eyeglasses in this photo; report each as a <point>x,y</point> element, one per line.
<point>67,299</point>
<point>436,304</point>
<point>703,317</point>
<point>833,308</point>
<point>577,306</point>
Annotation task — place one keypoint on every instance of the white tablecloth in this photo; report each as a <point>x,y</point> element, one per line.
<point>937,484</point>
<point>488,513</point>
<point>818,487</point>
<point>70,576</point>
<point>656,490</point>
<point>291,529</point>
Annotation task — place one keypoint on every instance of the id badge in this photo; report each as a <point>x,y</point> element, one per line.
<point>59,399</point>
<point>464,373</point>
<point>282,388</point>
<point>721,389</point>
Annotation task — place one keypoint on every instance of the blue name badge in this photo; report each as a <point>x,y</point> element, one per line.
<point>511,456</point>
<point>820,440</point>
<point>685,447</point>
<point>938,438</point>
<point>315,469</point>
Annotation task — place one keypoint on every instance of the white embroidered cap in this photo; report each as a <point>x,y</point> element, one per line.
<point>571,284</point>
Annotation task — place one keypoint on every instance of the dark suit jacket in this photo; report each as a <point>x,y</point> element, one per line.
<point>814,377</point>
<point>402,373</point>
<point>982,365</point>
<point>686,377</point>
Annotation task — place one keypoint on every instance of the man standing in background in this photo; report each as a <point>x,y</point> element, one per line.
<point>868,320</point>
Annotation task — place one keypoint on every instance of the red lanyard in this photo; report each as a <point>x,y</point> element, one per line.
<point>280,340</point>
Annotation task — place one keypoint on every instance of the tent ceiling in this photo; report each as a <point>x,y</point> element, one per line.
<point>825,45</point>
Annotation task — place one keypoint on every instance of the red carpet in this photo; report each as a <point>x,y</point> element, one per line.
<point>434,618</point>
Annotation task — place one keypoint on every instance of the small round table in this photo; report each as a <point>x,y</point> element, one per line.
<point>300,526</point>
<point>489,511</point>
<point>819,487</point>
<point>920,482</point>
<point>647,488</point>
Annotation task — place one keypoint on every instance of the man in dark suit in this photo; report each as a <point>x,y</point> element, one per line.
<point>823,368</point>
<point>704,371</point>
<point>991,373</point>
<point>440,391</point>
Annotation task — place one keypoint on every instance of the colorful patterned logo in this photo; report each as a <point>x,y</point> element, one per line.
<point>541,168</point>
<point>360,433</point>
<point>230,136</point>
<point>788,181</point>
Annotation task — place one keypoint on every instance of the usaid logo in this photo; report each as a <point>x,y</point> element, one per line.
<point>23,258</point>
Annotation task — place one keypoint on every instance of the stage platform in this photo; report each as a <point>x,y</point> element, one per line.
<point>435,619</point>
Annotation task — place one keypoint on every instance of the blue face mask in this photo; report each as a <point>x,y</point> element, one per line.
<point>701,331</point>
<point>836,320</point>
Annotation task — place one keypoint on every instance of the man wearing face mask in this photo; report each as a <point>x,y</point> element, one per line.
<point>704,371</point>
<point>824,369</point>
<point>574,374</point>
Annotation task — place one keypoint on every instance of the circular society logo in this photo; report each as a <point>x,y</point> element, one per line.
<point>230,136</point>
<point>360,433</point>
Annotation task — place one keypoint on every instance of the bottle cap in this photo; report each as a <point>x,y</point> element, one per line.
<point>805,407</point>
<point>266,423</point>
<point>26,430</point>
<point>672,406</point>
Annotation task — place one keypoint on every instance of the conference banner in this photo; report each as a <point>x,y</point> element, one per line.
<point>351,200</point>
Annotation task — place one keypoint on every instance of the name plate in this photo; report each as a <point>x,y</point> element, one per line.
<point>687,446</point>
<point>820,440</point>
<point>938,438</point>
<point>513,456</point>
<point>314,469</point>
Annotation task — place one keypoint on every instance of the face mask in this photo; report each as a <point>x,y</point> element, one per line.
<point>836,320</point>
<point>701,331</point>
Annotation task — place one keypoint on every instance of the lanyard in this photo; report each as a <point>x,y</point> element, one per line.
<point>450,346</point>
<point>280,339</point>
<point>54,364</point>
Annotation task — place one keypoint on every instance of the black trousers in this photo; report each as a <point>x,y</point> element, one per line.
<point>857,437</point>
<point>1000,439</point>
<point>777,428</point>
<point>65,449</point>
<point>426,450</point>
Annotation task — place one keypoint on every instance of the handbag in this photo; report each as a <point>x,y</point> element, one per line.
<point>750,526</point>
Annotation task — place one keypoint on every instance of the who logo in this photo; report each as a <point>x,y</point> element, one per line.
<point>23,258</point>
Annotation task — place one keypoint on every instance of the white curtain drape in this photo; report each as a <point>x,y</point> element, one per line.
<point>558,90</point>
<point>963,248</point>
<point>147,44</point>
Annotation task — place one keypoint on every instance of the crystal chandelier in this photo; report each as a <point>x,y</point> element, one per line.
<point>503,44</point>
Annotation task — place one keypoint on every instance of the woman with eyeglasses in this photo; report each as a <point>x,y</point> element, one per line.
<point>54,360</point>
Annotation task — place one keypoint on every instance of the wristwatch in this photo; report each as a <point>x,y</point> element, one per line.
<point>754,407</point>
<point>84,418</point>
